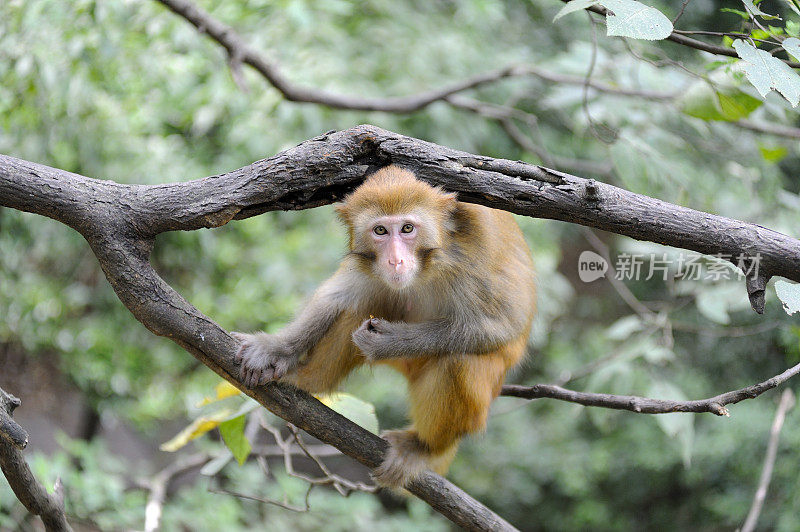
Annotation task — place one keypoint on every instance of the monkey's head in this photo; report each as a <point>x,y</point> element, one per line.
<point>396,223</point>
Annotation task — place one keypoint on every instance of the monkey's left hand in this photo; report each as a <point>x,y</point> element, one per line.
<point>377,339</point>
<point>263,358</point>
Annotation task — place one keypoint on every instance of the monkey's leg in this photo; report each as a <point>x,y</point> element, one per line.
<point>331,359</point>
<point>449,398</point>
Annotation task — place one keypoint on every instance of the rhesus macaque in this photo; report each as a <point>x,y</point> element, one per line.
<point>451,289</point>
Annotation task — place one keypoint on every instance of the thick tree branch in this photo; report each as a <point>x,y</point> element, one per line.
<point>322,170</point>
<point>21,479</point>
<point>643,405</point>
<point>120,223</point>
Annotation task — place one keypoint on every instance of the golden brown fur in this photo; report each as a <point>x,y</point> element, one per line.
<point>453,332</point>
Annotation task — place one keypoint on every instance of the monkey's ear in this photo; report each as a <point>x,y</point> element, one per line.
<point>343,212</point>
<point>447,201</point>
<point>449,208</point>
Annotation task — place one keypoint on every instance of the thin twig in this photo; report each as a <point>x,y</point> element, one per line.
<point>680,13</point>
<point>240,53</point>
<point>284,505</point>
<point>643,405</point>
<point>342,485</point>
<point>732,332</point>
<point>770,129</point>
<point>602,87</point>
<point>158,488</point>
<point>785,404</point>
<point>689,42</point>
<point>724,34</point>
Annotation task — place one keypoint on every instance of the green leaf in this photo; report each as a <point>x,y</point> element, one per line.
<point>735,104</point>
<point>353,408</point>
<point>756,12</point>
<point>792,47</point>
<point>719,102</point>
<point>759,34</point>
<point>573,6</point>
<point>742,14</point>
<point>232,432</point>
<point>766,72</point>
<point>635,20</point>
<point>773,154</point>
<point>789,294</point>
<point>792,27</point>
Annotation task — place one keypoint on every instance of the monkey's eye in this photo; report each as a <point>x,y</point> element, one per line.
<point>407,228</point>
<point>379,230</point>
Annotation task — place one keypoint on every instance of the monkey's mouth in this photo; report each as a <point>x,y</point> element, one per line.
<point>399,280</point>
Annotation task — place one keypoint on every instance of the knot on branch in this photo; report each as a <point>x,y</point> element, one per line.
<point>756,287</point>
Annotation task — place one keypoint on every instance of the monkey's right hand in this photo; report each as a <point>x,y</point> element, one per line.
<point>264,357</point>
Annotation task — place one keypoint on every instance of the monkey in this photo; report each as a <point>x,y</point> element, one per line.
<point>438,289</point>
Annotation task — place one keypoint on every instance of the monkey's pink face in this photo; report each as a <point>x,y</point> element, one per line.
<point>395,242</point>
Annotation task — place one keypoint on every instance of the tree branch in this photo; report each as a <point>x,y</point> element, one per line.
<point>240,52</point>
<point>785,404</point>
<point>30,493</point>
<point>643,405</point>
<point>504,115</point>
<point>683,40</point>
<point>778,130</point>
<point>158,485</point>
<point>324,169</point>
<point>120,223</point>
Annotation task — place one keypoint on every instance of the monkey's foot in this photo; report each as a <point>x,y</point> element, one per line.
<point>405,460</point>
<point>264,357</point>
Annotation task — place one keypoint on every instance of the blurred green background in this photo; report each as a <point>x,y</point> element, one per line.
<point>128,91</point>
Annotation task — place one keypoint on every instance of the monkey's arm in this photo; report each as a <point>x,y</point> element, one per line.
<point>265,357</point>
<point>381,340</point>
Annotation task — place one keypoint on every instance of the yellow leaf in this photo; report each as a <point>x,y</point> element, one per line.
<point>223,390</point>
<point>353,408</point>
<point>198,427</point>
